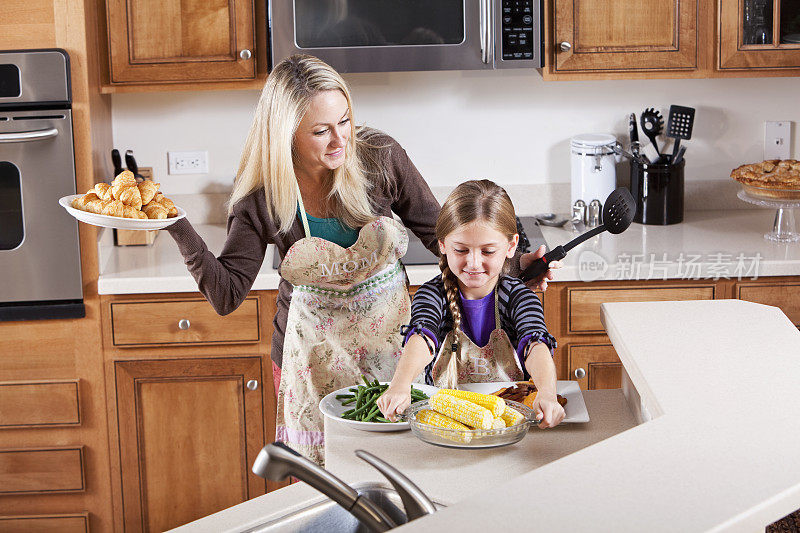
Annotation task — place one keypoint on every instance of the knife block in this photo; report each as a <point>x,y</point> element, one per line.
<point>126,237</point>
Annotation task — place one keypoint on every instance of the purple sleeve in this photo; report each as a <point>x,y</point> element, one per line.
<point>523,345</point>
<point>413,330</point>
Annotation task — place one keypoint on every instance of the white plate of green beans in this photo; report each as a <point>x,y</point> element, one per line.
<point>355,405</point>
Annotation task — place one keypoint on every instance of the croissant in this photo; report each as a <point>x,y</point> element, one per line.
<point>83,201</point>
<point>130,196</point>
<point>103,190</point>
<point>155,210</point>
<point>148,190</point>
<point>130,212</point>
<point>169,205</point>
<point>141,214</point>
<point>123,181</point>
<point>114,208</point>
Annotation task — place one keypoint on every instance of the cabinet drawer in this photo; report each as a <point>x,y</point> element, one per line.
<point>583,305</point>
<point>594,366</point>
<point>176,322</point>
<point>785,296</point>
<point>39,403</point>
<point>41,470</point>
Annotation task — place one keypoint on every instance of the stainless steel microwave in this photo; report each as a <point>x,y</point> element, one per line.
<point>398,35</point>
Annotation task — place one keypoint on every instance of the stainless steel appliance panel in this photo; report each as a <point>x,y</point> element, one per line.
<point>42,76</point>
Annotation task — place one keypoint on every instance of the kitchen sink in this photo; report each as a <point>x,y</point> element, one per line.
<point>327,516</point>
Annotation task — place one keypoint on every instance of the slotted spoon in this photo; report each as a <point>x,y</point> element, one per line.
<point>652,126</point>
<point>618,214</point>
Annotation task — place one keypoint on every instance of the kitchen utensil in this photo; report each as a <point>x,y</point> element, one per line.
<point>593,163</point>
<point>652,126</point>
<point>550,219</point>
<point>633,132</point>
<point>679,157</point>
<point>130,162</point>
<point>333,409</point>
<point>117,161</point>
<point>679,126</point>
<point>107,221</point>
<point>618,213</point>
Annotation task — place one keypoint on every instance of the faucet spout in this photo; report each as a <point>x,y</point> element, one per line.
<point>415,501</point>
<point>276,461</point>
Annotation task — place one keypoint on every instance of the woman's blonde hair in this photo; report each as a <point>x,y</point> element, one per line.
<point>267,156</point>
<point>474,200</point>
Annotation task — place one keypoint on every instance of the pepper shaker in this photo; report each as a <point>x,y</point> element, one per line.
<point>579,212</point>
<point>594,214</point>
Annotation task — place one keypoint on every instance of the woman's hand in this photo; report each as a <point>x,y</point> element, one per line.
<point>539,283</point>
<point>394,401</point>
<point>548,411</point>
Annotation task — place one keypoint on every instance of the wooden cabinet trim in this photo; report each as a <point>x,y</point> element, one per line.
<point>604,355</point>
<point>57,523</point>
<point>121,340</point>
<point>69,413</point>
<point>787,301</point>
<point>66,457</point>
<point>733,55</point>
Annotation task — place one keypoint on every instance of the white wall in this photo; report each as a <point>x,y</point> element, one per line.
<point>509,126</point>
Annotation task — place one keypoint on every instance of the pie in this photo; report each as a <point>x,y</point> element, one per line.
<point>774,178</point>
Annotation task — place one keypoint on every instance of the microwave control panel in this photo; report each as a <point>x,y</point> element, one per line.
<point>517,27</point>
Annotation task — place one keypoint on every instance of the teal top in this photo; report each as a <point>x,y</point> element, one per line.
<point>331,229</point>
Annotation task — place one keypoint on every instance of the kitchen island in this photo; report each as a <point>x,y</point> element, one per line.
<point>714,384</point>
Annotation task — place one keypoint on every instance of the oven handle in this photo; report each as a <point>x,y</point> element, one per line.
<point>486,29</point>
<point>24,136</point>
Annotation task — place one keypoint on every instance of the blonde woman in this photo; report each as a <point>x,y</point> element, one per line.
<point>472,323</point>
<point>323,192</point>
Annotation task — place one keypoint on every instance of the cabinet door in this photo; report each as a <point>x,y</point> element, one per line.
<point>785,296</point>
<point>189,430</point>
<point>620,35</point>
<point>153,41</point>
<point>759,34</point>
<point>598,365</point>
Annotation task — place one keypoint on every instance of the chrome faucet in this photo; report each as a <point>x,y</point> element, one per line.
<point>276,462</point>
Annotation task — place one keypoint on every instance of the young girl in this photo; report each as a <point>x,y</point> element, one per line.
<point>481,325</point>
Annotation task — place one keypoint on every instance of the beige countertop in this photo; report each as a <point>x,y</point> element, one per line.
<point>708,244</point>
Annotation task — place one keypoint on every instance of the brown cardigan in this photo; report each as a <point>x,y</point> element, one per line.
<point>226,280</point>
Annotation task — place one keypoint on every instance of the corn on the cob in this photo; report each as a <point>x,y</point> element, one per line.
<point>462,434</point>
<point>463,411</point>
<point>512,417</point>
<point>499,423</point>
<point>495,404</point>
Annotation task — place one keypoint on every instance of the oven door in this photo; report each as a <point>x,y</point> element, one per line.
<point>385,35</point>
<point>39,248</point>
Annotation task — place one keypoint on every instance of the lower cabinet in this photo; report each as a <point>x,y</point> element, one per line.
<point>594,366</point>
<point>189,429</point>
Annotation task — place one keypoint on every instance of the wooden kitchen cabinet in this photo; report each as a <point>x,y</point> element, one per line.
<point>178,41</point>
<point>189,430</point>
<point>759,34</point>
<point>784,295</point>
<point>594,366</point>
<point>620,36</point>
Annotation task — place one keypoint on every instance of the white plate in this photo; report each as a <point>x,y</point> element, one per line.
<point>575,410</point>
<point>107,221</point>
<point>333,409</point>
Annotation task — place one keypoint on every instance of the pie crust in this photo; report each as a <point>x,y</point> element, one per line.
<point>773,178</point>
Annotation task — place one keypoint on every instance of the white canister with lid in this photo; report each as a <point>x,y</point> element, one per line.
<point>593,166</point>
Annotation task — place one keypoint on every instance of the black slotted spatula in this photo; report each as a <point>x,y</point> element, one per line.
<point>679,126</point>
<point>618,212</point>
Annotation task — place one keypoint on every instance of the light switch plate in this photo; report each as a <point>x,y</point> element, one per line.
<point>777,139</point>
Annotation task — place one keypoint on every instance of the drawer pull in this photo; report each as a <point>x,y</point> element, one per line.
<point>580,373</point>
<point>252,384</point>
<point>245,54</point>
<point>184,324</point>
<point>565,46</point>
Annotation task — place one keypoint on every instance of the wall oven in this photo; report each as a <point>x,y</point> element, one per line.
<point>40,267</point>
<point>397,35</point>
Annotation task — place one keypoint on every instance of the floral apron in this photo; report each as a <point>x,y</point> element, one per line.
<point>344,320</point>
<point>497,361</point>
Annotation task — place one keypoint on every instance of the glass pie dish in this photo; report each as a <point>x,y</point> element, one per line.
<point>771,193</point>
<point>475,438</point>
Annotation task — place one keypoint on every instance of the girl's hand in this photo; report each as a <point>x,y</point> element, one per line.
<point>548,411</point>
<point>539,283</point>
<point>394,401</point>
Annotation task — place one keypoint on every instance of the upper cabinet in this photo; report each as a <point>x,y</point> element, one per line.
<point>179,41</point>
<point>759,34</point>
<point>614,35</point>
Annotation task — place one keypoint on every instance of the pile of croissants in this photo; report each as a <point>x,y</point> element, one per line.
<point>128,198</point>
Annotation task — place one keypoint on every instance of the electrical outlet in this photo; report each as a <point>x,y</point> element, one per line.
<point>777,139</point>
<point>188,162</point>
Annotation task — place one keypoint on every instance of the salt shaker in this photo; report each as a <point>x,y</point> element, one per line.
<point>579,212</point>
<point>594,214</point>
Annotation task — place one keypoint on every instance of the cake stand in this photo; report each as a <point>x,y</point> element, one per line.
<point>783,228</point>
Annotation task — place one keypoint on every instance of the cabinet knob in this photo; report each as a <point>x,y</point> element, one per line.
<point>183,324</point>
<point>252,384</point>
<point>565,46</point>
<point>580,373</point>
<point>245,54</point>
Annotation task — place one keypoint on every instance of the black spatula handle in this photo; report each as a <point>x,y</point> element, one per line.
<point>540,265</point>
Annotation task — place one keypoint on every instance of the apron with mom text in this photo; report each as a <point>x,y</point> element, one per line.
<point>497,361</point>
<point>344,320</point>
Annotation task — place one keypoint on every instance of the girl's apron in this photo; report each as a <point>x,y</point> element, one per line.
<point>497,361</point>
<point>344,320</point>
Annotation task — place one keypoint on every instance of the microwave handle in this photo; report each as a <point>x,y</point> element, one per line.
<point>24,136</point>
<point>487,51</point>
